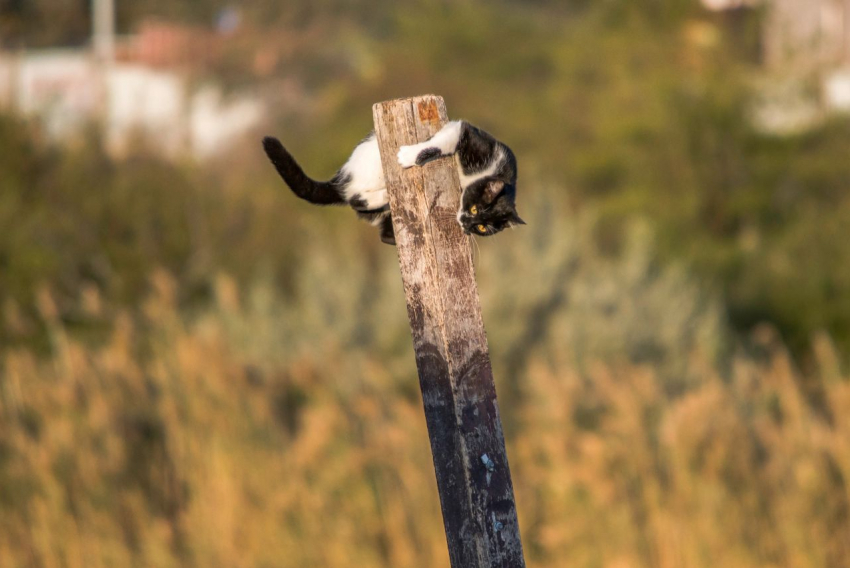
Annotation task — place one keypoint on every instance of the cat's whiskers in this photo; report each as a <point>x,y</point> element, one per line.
<point>475,247</point>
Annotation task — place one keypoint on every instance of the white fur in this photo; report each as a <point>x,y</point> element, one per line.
<point>446,140</point>
<point>376,222</point>
<point>492,167</point>
<point>367,174</point>
<point>407,155</point>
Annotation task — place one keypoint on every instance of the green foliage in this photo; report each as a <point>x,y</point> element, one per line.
<point>76,221</point>
<point>635,108</point>
<point>33,23</point>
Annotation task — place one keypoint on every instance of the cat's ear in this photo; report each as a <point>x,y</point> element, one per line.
<point>492,191</point>
<point>515,219</point>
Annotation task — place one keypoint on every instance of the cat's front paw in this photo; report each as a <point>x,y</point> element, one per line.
<point>407,156</point>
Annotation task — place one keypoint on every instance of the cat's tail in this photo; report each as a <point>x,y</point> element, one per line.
<point>318,192</point>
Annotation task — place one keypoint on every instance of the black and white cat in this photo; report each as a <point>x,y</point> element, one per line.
<point>487,170</point>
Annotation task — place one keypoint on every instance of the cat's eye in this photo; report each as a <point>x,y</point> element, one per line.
<point>473,210</point>
<point>481,229</point>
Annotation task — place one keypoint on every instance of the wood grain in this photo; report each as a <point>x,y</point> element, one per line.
<point>459,396</point>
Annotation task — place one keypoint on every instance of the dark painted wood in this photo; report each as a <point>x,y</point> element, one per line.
<point>458,392</point>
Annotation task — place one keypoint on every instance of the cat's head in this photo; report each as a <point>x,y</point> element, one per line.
<point>488,207</point>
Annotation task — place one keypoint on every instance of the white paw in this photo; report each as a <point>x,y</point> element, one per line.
<point>407,156</point>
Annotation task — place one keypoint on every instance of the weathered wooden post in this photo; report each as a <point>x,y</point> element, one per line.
<point>467,443</point>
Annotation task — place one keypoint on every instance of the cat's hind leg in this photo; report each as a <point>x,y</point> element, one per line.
<point>387,233</point>
<point>443,143</point>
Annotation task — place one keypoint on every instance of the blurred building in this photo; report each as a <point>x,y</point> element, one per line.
<point>805,47</point>
<point>63,86</point>
<point>807,33</point>
<point>139,87</point>
<point>729,4</point>
<point>799,33</point>
<point>166,45</point>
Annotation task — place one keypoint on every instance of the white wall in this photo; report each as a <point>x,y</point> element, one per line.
<point>147,103</point>
<point>61,86</point>
<point>67,89</point>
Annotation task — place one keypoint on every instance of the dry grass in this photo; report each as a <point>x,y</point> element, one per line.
<point>276,430</point>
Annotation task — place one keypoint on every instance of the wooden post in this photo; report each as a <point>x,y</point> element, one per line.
<point>458,392</point>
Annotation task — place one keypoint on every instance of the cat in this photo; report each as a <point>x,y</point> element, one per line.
<point>487,170</point>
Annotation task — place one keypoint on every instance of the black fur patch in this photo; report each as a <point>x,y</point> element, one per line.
<point>318,192</point>
<point>428,155</point>
<point>387,233</point>
<point>475,148</point>
<point>357,203</point>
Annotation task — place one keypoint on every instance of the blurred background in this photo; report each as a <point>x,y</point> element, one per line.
<point>198,369</point>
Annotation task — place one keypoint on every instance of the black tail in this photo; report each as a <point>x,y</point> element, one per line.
<point>318,192</point>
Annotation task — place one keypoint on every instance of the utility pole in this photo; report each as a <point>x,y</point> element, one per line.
<point>103,30</point>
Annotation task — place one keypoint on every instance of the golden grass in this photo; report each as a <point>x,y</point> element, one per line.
<point>175,444</point>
